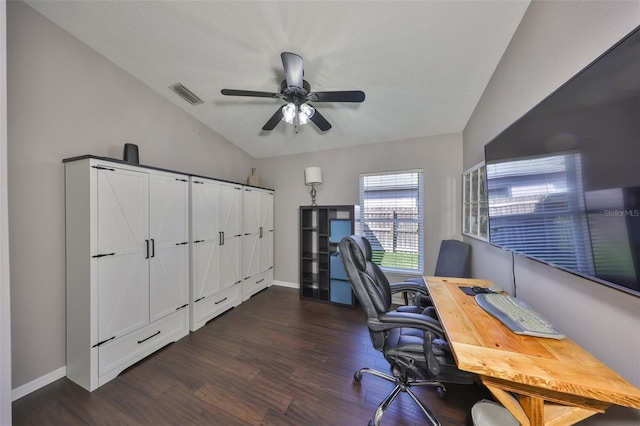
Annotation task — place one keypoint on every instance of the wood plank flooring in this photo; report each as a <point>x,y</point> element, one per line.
<point>274,360</point>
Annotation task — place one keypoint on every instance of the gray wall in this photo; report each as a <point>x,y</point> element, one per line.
<point>555,40</point>
<point>66,100</point>
<point>439,156</point>
<point>5,307</point>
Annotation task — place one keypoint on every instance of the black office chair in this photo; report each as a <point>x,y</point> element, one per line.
<point>413,343</point>
<point>454,260</point>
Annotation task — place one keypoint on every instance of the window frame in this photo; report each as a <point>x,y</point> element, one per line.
<point>416,197</point>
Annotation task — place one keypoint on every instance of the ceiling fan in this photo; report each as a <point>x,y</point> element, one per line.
<point>297,93</point>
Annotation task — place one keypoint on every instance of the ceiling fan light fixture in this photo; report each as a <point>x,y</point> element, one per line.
<point>297,116</point>
<point>297,92</point>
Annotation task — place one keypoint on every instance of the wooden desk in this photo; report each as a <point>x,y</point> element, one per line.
<point>555,382</point>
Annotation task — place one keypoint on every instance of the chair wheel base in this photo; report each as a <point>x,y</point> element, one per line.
<point>441,392</point>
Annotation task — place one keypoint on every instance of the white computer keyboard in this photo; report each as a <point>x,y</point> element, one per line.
<point>517,315</point>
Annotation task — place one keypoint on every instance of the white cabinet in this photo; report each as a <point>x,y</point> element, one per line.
<point>257,244</point>
<point>169,240</point>
<point>475,206</point>
<point>121,250</point>
<point>126,264</point>
<point>216,237</point>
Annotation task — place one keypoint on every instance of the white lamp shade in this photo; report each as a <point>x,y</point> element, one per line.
<point>312,175</point>
<point>297,116</point>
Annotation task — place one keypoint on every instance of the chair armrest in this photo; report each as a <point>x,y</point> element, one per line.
<point>390,320</point>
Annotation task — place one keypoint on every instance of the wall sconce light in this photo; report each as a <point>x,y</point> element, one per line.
<point>313,177</point>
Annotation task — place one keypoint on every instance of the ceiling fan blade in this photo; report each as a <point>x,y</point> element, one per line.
<point>341,96</point>
<point>320,121</point>
<point>274,120</point>
<point>233,92</point>
<point>293,69</point>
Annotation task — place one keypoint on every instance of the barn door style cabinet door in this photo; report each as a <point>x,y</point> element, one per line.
<point>257,243</point>
<point>127,259</point>
<point>216,237</point>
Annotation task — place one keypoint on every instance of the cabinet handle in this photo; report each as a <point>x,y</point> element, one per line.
<point>261,232</point>
<point>182,180</point>
<point>259,281</point>
<point>183,306</point>
<point>222,233</point>
<point>181,244</point>
<point>238,235</point>
<point>153,248</point>
<point>197,300</point>
<point>147,244</point>
<point>198,241</point>
<point>104,341</point>
<point>220,301</point>
<point>144,340</point>
<point>103,255</point>
<point>197,181</point>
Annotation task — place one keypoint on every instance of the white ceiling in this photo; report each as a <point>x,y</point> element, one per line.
<point>423,65</point>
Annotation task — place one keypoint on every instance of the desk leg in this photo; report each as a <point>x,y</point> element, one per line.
<point>510,403</point>
<point>532,411</point>
<point>534,408</point>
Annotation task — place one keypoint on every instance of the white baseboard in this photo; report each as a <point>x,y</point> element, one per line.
<point>286,284</point>
<point>38,383</point>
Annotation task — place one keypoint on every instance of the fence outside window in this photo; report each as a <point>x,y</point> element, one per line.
<point>391,207</point>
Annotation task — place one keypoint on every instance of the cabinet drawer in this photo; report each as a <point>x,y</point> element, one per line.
<point>131,348</point>
<point>212,306</point>
<point>254,284</point>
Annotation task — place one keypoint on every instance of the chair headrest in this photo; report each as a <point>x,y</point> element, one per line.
<point>360,250</point>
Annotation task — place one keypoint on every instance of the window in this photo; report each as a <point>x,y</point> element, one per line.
<point>391,215</point>
<point>537,207</point>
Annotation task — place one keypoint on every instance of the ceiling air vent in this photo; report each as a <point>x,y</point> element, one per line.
<point>186,94</point>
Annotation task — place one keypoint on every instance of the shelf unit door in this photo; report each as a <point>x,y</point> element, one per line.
<point>251,232</point>
<point>265,247</point>
<point>205,237</point>
<point>169,273</point>
<point>230,225</point>
<point>230,207</point>
<point>265,231</point>
<point>121,253</point>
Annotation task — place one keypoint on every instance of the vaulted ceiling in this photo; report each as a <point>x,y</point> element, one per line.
<point>423,65</point>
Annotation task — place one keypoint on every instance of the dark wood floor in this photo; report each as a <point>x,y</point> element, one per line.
<point>274,360</point>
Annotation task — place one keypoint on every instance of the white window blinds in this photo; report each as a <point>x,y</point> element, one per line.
<point>391,210</point>
<point>534,210</point>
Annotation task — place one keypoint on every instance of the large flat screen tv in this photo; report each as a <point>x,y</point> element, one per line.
<point>564,180</point>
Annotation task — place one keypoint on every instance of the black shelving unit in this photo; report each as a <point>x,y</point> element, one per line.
<point>322,276</point>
